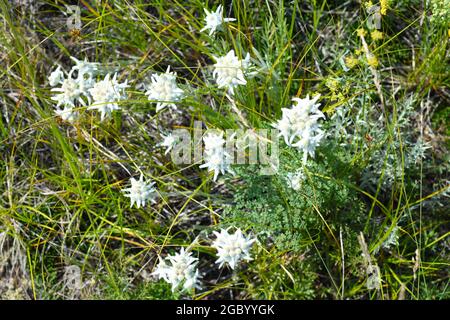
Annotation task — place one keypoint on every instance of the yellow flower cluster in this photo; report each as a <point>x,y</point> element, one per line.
<point>361,32</point>
<point>384,6</point>
<point>351,61</point>
<point>372,61</point>
<point>368,4</point>
<point>338,90</point>
<point>376,35</point>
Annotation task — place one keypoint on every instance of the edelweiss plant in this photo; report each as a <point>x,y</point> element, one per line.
<point>215,157</point>
<point>86,71</point>
<point>105,95</point>
<point>164,90</point>
<point>72,90</point>
<point>299,125</point>
<point>140,192</point>
<point>179,269</point>
<point>214,20</point>
<point>229,71</point>
<point>232,248</point>
<point>69,93</point>
<point>169,142</point>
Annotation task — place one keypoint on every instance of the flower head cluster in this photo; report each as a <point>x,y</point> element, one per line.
<point>72,90</point>
<point>384,6</point>
<point>299,125</point>
<point>81,88</point>
<point>215,156</point>
<point>229,70</point>
<point>105,95</point>
<point>140,192</point>
<point>69,93</point>
<point>85,69</point>
<point>214,20</point>
<point>179,269</point>
<point>164,90</point>
<point>232,248</point>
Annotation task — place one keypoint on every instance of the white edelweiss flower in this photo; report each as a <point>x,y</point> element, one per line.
<point>179,269</point>
<point>299,125</point>
<point>232,248</point>
<point>67,114</point>
<point>56,77</point>
<point>229,71</point>
<point>105,95</point>
<point>85,75</point>
<point>84,67</point>
<point>215,157</point>
<point>68,93</point>
<point>214,19</point>
<point>308,142</point>
<point>140,192</point>
<point>164,90</point>
<point>169,142</point>
<point>84,85</point>
<point>295,179</point>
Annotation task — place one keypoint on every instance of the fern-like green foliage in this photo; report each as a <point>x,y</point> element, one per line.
<point>295,218</point>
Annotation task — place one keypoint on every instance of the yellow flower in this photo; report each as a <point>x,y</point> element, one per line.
<point>372,61</point>
<point>384,6</point>
<point>376,35</point>
<point>368,4</point>
<point>359,51</point>
<point>361,32</point>
<point>332,84</point>
<point>351,61</point>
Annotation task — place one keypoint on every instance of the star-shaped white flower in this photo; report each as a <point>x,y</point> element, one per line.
<point>179,269</point>
<point>73,90</point>
<point>164,90</point>
<point>232,248</point>
<point>299,125</point>
<point>140,192</point>
<point>68,93</point>
<point>169,142</point>
<point>214,20</point>
<point>105,95</point>
<point>84,67</point>
<point>215,157</point>
<point>229,71</point>
<point>309,141</point>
